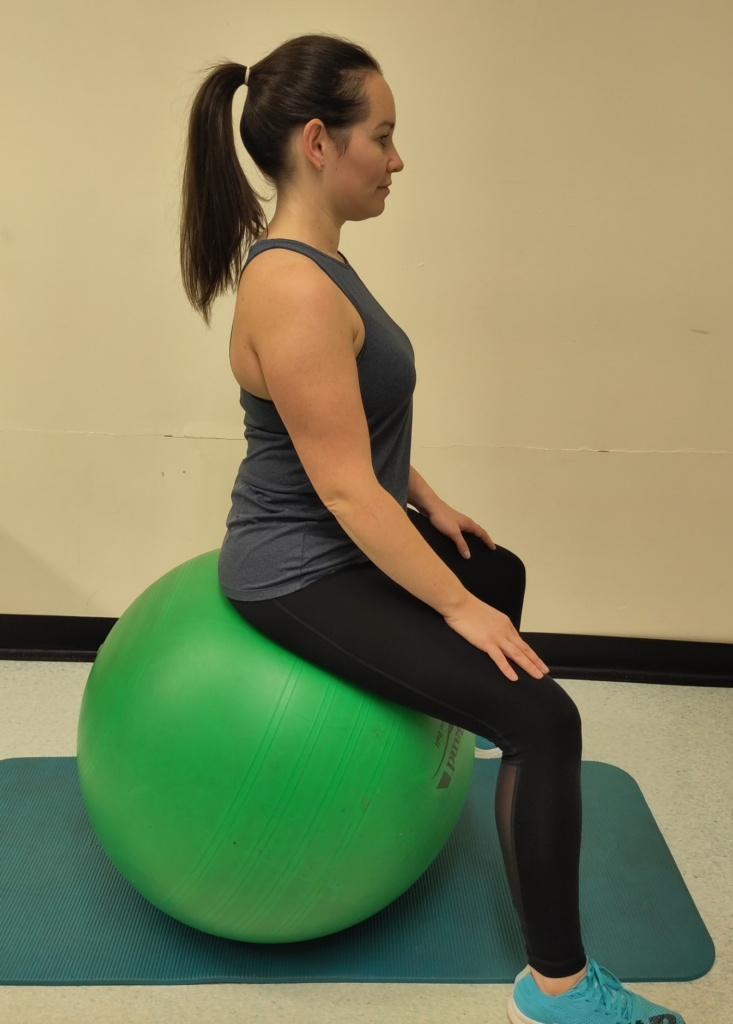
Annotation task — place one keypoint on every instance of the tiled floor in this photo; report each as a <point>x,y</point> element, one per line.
<point>676,742</point>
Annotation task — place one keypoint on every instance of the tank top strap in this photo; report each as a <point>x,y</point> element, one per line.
<point>296,246</point>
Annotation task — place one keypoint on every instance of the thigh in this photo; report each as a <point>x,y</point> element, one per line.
<point>360,625</point>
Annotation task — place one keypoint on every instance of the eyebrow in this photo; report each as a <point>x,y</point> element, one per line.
<point>390,123</point>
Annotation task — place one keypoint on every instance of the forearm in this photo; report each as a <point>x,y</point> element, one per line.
<point>420,493</point>
<point>379,526</point>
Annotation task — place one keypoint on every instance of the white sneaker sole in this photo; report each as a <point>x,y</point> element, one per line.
<point>515,1016</point>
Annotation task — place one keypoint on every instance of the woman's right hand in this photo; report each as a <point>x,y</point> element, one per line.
<point>493,632</point>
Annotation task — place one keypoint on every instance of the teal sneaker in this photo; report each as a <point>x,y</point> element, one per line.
<point>598,994</point>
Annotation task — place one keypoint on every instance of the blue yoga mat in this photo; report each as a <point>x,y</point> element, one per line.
<point>67,917</point>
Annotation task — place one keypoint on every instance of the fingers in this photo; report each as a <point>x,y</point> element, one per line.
<point>534,659</point>
<point>523,646</point>
<point>519,651</point>
<point>498,657</point>
<point>529,666</point>
<point>529,661</point>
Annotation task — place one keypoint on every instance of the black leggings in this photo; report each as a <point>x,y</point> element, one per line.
<point>359,624</point>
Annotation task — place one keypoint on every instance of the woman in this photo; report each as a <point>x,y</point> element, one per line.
<point>322,553</point>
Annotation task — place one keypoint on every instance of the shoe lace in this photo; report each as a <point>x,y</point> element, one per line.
<point>605,992</point>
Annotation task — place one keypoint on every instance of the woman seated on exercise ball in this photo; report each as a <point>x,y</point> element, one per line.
<point>322,553</point>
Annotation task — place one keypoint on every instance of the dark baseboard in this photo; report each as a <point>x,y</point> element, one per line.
<point>570,655</point>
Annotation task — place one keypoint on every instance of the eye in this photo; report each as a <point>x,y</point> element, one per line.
<point>383,137</point>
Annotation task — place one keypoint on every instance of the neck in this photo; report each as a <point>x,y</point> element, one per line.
<point>327,242</point>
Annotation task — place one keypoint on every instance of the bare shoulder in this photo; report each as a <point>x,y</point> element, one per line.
<point>278,257</point>
<point>263,276</point>
<point>256,297</point>
<point>267,263</point>
<point>265,271</point>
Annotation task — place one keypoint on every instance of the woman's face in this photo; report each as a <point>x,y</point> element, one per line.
<point>372,159</point>
<point>349,187</point>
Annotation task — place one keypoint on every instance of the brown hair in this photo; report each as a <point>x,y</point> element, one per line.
<point>310,76</point>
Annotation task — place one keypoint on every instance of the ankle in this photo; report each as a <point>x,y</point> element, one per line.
<point>557,986</point>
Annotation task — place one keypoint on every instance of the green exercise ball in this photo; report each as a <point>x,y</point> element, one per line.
<point>243,790</point>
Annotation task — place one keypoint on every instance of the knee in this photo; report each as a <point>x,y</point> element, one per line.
<point>557,716</point>
<point>568,725</point>
<point>571,714</point>
<point>513,562</point>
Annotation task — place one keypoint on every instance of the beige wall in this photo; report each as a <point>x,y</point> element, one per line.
<point>558,248</point>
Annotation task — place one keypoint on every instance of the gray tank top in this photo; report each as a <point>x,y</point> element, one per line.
<point>279,535</point>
